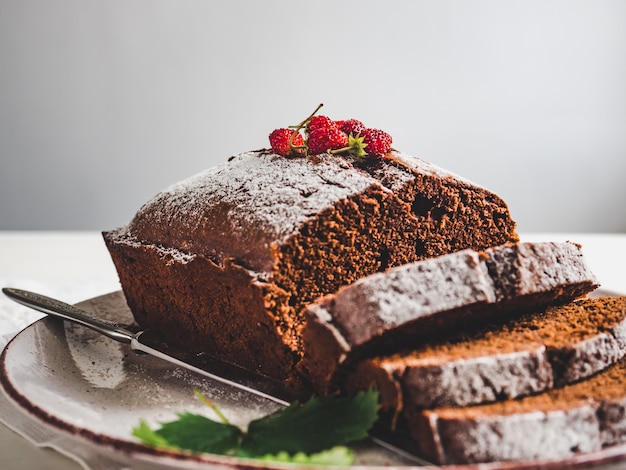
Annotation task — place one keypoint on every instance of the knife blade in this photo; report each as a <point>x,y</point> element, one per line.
<point>145,341</point>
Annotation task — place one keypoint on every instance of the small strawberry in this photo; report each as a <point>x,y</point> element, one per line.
<point>286,142</point>
<point>351,126</point>
<point>320,122</point>
<point>378,143</point>
<point>323,135</point>
<point>324,139</point>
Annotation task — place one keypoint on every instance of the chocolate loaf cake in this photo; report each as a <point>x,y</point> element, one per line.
<point>225,261</point>
<point>401,307</point>
<point>500,360</point>
<point>582,417</point>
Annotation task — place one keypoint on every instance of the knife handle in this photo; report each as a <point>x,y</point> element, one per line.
<point>70,313</point>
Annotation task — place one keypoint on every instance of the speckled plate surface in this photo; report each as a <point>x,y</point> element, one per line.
<point>96,390</point>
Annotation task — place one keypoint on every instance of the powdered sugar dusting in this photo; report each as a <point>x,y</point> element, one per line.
<point>429,168</point>
<point>256,199</point>
<point>552,263</point>
<point>412,291</point>
<point>403,294</point>
<point>170,255</point>
<point>298,189</point>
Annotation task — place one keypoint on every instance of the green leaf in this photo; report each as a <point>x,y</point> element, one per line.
<point>356,145</point>
<point>148,436</point>
<point>309,433</point>
<point>195,433</point>
<point>317,425</point>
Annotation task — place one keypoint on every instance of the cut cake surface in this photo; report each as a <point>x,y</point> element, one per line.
<point>581,417</point>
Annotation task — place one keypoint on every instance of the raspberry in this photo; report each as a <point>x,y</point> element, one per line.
<point>280,141</point>
<point>323,139</point>
<point>378,142</point>
<point>320,122</point>
<point>351,126</point>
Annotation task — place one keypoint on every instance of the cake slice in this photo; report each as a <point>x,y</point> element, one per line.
<point>582,417</point>
<point>225,261</point>
<point>500,360</point>
<point>406,304</point>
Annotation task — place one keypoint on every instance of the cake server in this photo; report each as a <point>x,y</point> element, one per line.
<point>145,342</point>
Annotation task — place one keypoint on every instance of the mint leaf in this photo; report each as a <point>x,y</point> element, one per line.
<point>194,433</point>
<point>319,424</point>
<point>309,433</point>
<point>148,436</point>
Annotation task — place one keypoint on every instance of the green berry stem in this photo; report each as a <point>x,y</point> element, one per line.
<point>291,137</point>
<point>303,123</point>
<point>211,405</point>
<point>300,126</point>
<point>356,147</point>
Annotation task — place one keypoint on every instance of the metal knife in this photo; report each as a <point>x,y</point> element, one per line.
<point>145,342</point>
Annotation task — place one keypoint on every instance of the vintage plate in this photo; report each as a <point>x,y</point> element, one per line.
<point>96,390</point>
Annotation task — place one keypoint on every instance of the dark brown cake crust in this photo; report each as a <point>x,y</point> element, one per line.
<point>189,288</point>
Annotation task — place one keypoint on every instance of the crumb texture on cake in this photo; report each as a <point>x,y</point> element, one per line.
<point>452,212</point>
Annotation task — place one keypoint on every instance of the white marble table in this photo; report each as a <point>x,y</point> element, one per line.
<point>74,266</point>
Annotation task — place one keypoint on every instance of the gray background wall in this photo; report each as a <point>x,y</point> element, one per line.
<point>104,103</point>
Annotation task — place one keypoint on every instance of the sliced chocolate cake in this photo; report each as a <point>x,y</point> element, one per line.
<point>225,261</point>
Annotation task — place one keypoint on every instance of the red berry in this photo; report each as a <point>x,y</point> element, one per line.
<point>378,142</point>
<point>351,126</point>
<point>320,122</point>
<point>283,143</point>
<point>322,139</point>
